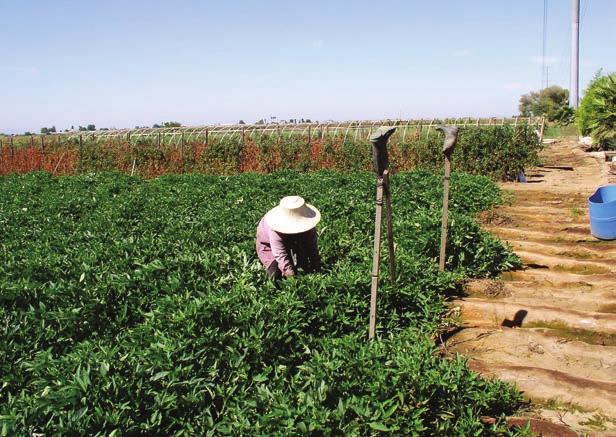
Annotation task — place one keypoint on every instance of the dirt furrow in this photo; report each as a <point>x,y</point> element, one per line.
<point>549,327</point>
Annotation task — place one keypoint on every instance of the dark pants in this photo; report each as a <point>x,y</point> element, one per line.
<point>273,271</point>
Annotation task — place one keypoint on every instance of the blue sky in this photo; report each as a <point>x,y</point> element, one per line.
<point>126,63</point>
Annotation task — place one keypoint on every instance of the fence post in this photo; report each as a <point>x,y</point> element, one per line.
<point>158,140</point>
<point>207,137</point>
<point>31,140</point>
<point>308,136</point>
<point>542,129</point>
<point>182,150</point>
<point>12,148</point>
<point>80,149</point>
<point>43,143</point>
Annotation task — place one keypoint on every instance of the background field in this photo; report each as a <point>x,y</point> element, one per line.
<point>494,150</point>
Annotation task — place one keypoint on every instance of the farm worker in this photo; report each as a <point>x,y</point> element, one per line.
<point>287,232</point>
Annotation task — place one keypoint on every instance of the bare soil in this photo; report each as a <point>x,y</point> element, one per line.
<point>550,327</point>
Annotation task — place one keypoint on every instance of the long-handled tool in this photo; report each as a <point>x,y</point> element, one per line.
<point>451,138</point>
<point>381,162</point>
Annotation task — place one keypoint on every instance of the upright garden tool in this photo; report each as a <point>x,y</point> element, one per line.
<point>381,162</point>
<point>451,138</point>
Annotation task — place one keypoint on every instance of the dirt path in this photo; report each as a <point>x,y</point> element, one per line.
<point>550,327</point>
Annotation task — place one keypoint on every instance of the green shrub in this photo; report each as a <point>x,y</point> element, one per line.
<point>596,115</point>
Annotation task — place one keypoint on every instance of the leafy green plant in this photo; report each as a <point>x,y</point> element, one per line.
<point>131,306</point>
<point>596,115</point>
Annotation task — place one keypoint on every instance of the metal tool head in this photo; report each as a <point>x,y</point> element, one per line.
<point>379,148</point>
<point>451,138</point>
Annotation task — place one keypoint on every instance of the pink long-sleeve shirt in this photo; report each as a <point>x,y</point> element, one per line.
<point>275,246</point>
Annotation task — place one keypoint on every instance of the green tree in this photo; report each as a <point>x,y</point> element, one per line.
<point>551,102</point>
<point>91,127</point>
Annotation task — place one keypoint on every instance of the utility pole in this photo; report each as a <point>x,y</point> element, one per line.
<point>575,55</point>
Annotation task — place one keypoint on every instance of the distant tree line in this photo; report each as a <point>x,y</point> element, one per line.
<point>551,102</point>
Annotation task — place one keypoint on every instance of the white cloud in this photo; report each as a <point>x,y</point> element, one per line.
<point>516,86</point>
<point>317,43</point>
<point>549,60</point>
<point>463,53</point>
<point>26,70</point>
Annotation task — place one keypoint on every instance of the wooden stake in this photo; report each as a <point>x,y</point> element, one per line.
<point>376,257</point>
<point>182,148</point>
<point>441,264</point>
<point>390,226</point>
<point>542,129</point>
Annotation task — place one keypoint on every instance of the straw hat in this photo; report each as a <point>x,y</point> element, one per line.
<point>292,216</point>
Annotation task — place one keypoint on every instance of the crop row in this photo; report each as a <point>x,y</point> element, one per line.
<point>496,151</point>
<point>138,306</point>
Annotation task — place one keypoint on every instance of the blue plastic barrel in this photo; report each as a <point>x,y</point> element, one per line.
<point>602,211</point>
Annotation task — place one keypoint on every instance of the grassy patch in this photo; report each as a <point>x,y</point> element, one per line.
<point>581,269</point>
<point>560,329</point>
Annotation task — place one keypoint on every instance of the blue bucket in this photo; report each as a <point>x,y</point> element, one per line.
<point>602,211</point>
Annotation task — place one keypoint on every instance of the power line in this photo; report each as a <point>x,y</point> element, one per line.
<point>543,45</point>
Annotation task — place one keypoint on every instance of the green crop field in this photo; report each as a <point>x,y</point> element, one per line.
<point>132,306</point>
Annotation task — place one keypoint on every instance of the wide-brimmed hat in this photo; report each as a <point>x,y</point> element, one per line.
<point>292,216</point>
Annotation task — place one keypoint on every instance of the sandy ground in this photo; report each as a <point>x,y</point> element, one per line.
<point>550,327</point>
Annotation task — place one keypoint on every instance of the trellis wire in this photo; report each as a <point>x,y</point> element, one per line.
<point>362,129</point>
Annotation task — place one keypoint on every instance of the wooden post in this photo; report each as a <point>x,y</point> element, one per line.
<point>207,134</point>
<point>376,257</point>
<point>542,129</point>
<point>390,226</point>
<point>12,148</point>
<point>381,163</point>
<point>32,141</point>
<point>80,147</point>
<point>441,264</point>
<point>309,137</point>
<point>158,141</point>
<point>477,121</point>
<point>43,143</point>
